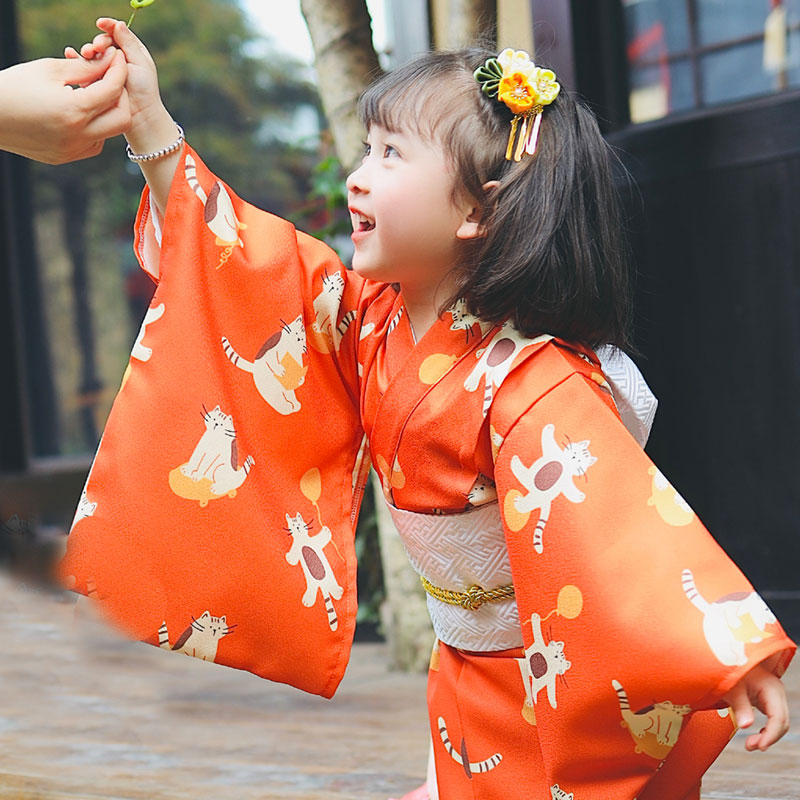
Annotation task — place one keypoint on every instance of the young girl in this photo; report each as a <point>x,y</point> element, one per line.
<point>592,635</point>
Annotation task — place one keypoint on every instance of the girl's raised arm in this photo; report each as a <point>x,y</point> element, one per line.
<point>152,128</point>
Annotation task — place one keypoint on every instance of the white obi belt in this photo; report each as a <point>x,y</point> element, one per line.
<point>454,553</point>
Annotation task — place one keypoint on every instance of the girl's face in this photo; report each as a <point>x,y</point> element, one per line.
<point>406,225</point>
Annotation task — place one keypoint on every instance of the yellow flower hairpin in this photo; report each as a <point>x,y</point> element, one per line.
<point>526,89</point>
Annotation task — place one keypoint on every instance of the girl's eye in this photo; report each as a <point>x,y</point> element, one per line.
<point>367,149</point>
<point>389,150</point>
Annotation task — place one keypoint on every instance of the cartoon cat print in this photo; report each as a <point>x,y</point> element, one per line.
<point>671,507</point>
<point>663,721</point>
<point>545,663</point>
<point>139,350</point>
<point>200,639</point>
<point>464,321</point>
<point>730,622</point>
<point>495,360</point>
<point>462,757</point>
<point>85,509</point>
<point>278,368</point>
<point>308,552</point>
<point>216,455</point>
<point>218,213</point>
<point>326,334</point>
<point>549,477</point>
<point>557,793</point>
<point>483,491</point>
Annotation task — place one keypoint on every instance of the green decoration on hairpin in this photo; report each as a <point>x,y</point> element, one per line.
<point>488,76</point>
<point>136,5</point>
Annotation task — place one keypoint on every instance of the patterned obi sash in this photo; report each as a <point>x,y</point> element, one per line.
<point>455,552</point>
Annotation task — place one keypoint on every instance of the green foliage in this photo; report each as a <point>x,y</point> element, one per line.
<point>325,214</point>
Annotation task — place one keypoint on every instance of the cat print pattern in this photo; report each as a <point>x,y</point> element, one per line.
<point>327,332</point>
<point>496,359</point>
<point>549,477</point>
<point>462,756</point>
<point>308,551</point>
<point>213,470</point>
<point>654,728</point>
<point>218,212</point>
<point>278,368</point>
<point>139,350</point>
<point>544,662</point>
<point>671,507</point>
<point>200,639</point>
<point>730,622</point>
<point>85,509</point>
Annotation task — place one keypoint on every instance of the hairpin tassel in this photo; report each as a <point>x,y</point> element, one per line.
<point>523,135</point>
<point>533,131</point>
<point>511,138</point>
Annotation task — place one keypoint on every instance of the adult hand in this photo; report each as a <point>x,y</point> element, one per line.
<point>149,120</point>
<point>42,117</point>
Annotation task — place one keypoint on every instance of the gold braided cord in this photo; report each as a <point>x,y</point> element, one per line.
<point>472,599</point>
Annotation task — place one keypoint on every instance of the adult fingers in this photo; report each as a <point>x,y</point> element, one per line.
<point>105,92</point>
<point>74,70</point>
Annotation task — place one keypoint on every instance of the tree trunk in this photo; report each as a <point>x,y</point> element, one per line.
<point>346,62</point>
<point>458,23</point>
<point>345,58</point>
<point>404,615</point>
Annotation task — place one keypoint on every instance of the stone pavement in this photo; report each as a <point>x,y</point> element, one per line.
<point>87,716</point>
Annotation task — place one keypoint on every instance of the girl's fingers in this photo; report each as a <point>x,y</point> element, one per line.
<point>71,52</point>
<point>774,705</point>
<point>129,43</point>
<point>739,702</point>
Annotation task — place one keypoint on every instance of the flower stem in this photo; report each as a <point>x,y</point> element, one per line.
<point>130,21</point>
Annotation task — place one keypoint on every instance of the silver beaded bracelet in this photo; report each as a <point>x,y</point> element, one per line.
<point>164,151</point>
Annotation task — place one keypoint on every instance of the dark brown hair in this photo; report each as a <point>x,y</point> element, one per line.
<point>554,257</point>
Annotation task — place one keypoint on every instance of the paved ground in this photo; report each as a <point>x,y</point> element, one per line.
<point>85,716</point>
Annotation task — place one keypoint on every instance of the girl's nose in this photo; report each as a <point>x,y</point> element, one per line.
<point>356,181</point>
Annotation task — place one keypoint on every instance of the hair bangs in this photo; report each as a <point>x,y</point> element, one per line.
<point>425,96</point>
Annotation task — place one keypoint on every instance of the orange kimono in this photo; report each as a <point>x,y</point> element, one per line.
<point>218,517</point>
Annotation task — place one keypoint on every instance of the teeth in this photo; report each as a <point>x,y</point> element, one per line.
<point>362,222</point>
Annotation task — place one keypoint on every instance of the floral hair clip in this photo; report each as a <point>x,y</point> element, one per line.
<point>526,89</point>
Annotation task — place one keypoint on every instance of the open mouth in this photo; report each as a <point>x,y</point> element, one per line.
<point>361,222</point>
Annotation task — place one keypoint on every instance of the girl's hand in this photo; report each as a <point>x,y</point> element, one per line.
<point>147,110</point>
<point>762,689</point>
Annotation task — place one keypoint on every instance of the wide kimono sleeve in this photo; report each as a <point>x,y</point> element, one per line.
<point>632,616</point>
<point>218,517</point>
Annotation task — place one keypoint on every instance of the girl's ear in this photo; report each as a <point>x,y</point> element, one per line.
<point>471,227</point>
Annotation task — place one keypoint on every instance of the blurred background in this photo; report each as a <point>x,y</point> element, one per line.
<point>700,99</point>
